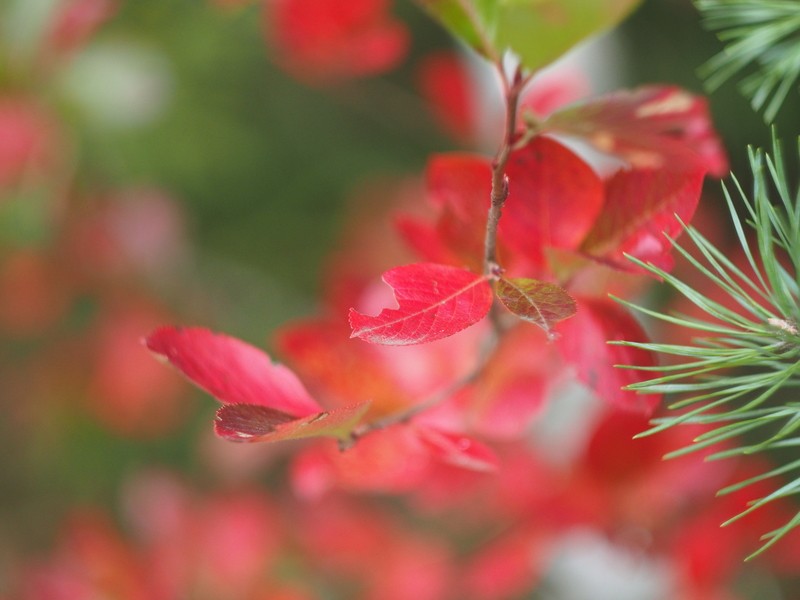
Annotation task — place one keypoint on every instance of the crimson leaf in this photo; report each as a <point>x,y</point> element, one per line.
<point>231,370</point>
<point>554,199</point>
<point>542,303</point>
<point>641,207</point>
<point>584,345</point>
<point>435,301</point>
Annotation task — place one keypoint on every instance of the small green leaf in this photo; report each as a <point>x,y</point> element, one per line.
<point>538,31</point>
<point>543,304</point>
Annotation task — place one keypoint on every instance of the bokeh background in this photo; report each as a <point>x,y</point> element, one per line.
<point>161,161</point>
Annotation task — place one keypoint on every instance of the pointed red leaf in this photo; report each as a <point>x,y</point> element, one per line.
<point>231,370</point>
<point>641,206</point>
<point>539,302</point>
<point>584,344</point>
<point>256,423</point>
<point>435,301</point>
<point>554,198</point>
<point>650,127</point>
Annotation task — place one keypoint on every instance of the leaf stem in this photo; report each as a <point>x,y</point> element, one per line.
<point>404,416</point>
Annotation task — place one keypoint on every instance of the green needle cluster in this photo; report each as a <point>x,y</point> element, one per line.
<point>732,378</point>
<point>761,36</point>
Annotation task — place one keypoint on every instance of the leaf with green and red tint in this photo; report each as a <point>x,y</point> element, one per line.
<point>584,345</point>
<point>554,199</point>
<point>538,302</point>
<point>231,370</point>
<point>640,212</point>
<point>434,302</point>
<point>538,31</point>
<point>650,127</point>
<point>257,423</point>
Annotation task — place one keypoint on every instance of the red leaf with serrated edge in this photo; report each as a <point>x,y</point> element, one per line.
<point>539,302</point>
<point>257,423</point>
<point>584,344</point>
<point>231,370</point>
<point>641,207</point>
<point>458,450</point>
<point>553,201</point>
<point>435,302</point>
<point>650,127</point>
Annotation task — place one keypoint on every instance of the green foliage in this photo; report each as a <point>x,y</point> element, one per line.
<point>538,31</point>
<point>760,33</point>
<point>731,378</point>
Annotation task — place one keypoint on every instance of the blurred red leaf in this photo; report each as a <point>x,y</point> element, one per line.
<point>257,423</point>
<point>460,186</point>
<point>539,302</point>
<point>435,302</point>
<point>641,207</point>
<point>458,450</point>
<point>231,370</point>
<point>553,88</point>
<point>77,20</point>
<point>339,370</point>
<point>650,127</point>
<point>28,140</point>
<point>554,199</point>
<point>443,80</point>
<point>584,344</point>
<point>329,40</point>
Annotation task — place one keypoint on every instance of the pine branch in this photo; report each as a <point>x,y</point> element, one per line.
<point>730,378</point>
<point>764,34</point>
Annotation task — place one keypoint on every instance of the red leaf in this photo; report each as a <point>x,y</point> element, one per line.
<point>231,370</point>
<point>77,20</point>
<point>257,423</point>
<point>328,40</point>
<point>461,186</point>
<point>424,239</point>
<point>458,450</point>
<point>640,208</point>
<point>444,82</point>
<point>539,302</point>
<point>650,127</point>
<point>584,344</point>
<point>339,370</point>
<point>554,199</point>
<point>435,301</point>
